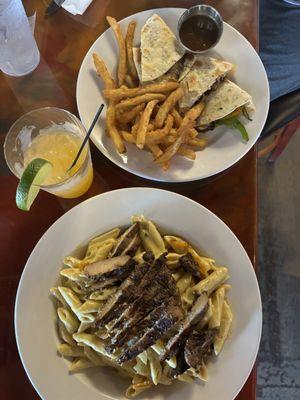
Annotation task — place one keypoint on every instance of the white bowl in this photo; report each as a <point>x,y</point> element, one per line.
<point>35,320</point>
<point>225,146</point>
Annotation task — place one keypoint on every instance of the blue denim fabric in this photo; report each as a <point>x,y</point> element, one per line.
<point>280,45</point>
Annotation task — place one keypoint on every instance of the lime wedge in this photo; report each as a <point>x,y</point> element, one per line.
<point>33,176</point>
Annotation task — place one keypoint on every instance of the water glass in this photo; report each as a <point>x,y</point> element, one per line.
<point>19,54</point>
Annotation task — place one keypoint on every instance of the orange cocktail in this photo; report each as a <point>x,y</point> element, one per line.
<point>55,135</point>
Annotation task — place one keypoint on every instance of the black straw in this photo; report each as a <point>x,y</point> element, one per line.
<point>87,136</point>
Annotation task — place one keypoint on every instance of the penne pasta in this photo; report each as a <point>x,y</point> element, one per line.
<point>74,303</point>
<point>137,388</point>
<point>217,306</point>
<point>70,351</point>
<point>151,238</point>
<point>65,335</point>
<point>143,357</point>
<point>89,306</point>
<point>72,262</point>
<point>177,244</point>
<point>210,283</point>
<point>56,293</point>
<point>82,303</point>
<point>92,341</point>
<point>103,294</point>
<point>69,320</point>
<point>155,366</point>
<point>80,364</point>
<point>184,282</point>
<point>93,356</point>
<point>84,326</point>
<point>74,274</point>
<point>141,368</point>
<point>226,321</point>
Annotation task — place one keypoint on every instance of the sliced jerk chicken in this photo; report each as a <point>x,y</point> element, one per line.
<point>185,327</point>
<point>148,309</point>
<point>119,300</point>
<point>107,272</point>
<point>199,347</point>
<point>128,242</point>
<point>188,263</point>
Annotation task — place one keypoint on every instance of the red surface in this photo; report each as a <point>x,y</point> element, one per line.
<point>63,41</point>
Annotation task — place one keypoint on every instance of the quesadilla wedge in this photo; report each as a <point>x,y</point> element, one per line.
<point>204,74</point>
<point>171,75</point>
<point>224,106</point>
<point>160,49</point>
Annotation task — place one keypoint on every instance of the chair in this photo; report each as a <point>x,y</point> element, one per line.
<point>283,121</point>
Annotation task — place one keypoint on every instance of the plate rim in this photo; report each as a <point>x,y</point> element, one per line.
<point>124,166</point>
<point>108,193</point>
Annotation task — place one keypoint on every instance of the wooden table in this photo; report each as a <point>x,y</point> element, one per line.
<point>63,41</point>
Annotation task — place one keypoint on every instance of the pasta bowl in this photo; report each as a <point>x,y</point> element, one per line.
<point>35,314</point>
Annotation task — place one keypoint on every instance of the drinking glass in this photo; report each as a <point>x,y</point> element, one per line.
<point>51,133</point>
<point>19,54</point>
<point>293,2</point>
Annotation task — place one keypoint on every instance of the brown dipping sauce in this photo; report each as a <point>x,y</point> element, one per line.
<point>199,32</point>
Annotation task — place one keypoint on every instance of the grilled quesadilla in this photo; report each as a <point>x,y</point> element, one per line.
<point>160,49</point>
<point>223,107</point>
<point>204,74</point>
<point>171,75</point>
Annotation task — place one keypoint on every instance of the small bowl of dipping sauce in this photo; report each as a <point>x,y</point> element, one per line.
<point>200,28</point>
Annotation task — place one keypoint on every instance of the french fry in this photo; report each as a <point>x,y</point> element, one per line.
<point>135,126</point>
<point>144,98</point>
<point>193,113</point>
<point>129,47</point>
<point>112,130</point>
<point>193,133</point>
<point>128,137</point>
<point>143,124</point>
<point>122,49</point>
<point>103,73</point>
<point>155,150</point>
<point>187,152</point>
<point>178,120</point>
<point>131,114</point>
<point>197,142</point>
<point>169,140</point>
<point>155,137</point>
<point>168,104</point>
<point>130,82</point>
<point>177,117</point>
<point>120,93</point>
<point>166,165</point>
<point>172,149</point>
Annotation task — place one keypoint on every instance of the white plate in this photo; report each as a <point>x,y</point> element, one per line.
<point>225,147</point>
<point>35,315</point>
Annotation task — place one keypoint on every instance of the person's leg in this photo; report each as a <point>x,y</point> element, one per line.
<point>280,45</point>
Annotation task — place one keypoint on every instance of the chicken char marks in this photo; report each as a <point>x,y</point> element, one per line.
<point>153,307</point>
<point>118,301</point>
<point>128,242</point>
<point>169,314</point>
<point>176,343</point>
<point>158,287</point>
<point>140,291</point>
<point>199,347</point>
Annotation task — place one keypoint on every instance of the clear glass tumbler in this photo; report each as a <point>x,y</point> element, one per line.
<point>293,2</point>
<point>19,54</point>
<point>55,135</point>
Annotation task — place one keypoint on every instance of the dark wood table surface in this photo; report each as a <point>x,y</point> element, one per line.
<point>63,41</point>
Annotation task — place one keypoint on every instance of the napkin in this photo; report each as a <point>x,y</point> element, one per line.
<point>76,6</point>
